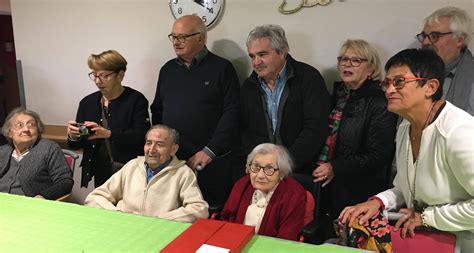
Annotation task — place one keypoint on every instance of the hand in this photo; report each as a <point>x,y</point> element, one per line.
<point>200,158</point>
<point>323,173</point>
<point>39,197</point>
<point>99,131</point>
<point>73,130</point>
<point>366,210</point>
<point>410,220</point>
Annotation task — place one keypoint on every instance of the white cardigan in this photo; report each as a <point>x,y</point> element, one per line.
<point>444,174</point>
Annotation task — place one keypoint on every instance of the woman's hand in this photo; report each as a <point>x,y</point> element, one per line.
<point>72,130</point>
<point>409,221</point>
<point>99,131</point>
<point>323,173</point>
<point>366,210</point>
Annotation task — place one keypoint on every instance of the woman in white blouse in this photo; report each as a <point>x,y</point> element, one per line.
<point>434,154</point>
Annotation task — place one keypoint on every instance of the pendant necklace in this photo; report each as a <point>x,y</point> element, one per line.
<point>415,203</point>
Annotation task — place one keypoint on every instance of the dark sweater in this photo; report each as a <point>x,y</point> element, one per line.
<point>128,120</point>
<point>43,171</point>
<point>302,116</point>
<point>201,102</point>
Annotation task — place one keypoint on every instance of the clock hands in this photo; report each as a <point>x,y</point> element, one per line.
<point>200,2</point>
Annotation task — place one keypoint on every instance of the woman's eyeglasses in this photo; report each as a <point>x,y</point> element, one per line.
<point>268,170</point>
<point>354,61</point>
<point>399,82</point>
<point>19,125</point>
<point>93,76</point>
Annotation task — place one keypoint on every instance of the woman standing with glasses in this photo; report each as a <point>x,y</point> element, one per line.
<point>267,197</point>
<point>355,161</point>
<point>111,123</point>
<point>30,165</point>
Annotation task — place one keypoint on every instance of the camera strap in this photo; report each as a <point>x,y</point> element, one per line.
<point>105,125</point>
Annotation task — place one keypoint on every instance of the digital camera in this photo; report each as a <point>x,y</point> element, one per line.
<point>84,131</point>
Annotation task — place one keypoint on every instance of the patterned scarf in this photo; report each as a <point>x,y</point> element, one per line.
<point>327,152</point>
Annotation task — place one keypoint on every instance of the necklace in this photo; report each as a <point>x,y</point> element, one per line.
<point>428,120</point>
<point>260,199</point>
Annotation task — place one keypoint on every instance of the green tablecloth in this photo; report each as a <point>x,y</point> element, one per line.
<point>34,225</point>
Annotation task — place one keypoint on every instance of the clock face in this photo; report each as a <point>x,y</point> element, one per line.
<point>207,10</point>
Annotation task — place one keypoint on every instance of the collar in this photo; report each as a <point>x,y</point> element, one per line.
<point>450,68</point>
<point>159,168</point>
<point>197,59</point>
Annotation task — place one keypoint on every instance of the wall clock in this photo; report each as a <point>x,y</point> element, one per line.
<point>208,10</point>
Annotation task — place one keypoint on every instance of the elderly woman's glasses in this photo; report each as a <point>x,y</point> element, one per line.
<point>93,76</point>
<point>268,170</point>
<point>399,82</point>
<point>433,37</point>
<point>354,61</point>
<point>19,125</point>
<point>181,38</point>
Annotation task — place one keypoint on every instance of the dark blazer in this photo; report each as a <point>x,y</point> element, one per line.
<point>364,146</point>
<point>302,116</point>
<point>127,118</point>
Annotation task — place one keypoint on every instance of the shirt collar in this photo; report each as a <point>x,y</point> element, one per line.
<point>197,59</point>
<point>159,168</point>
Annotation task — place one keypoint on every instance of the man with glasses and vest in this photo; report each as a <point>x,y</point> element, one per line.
<point>447,31</point>
<point>198,95</point>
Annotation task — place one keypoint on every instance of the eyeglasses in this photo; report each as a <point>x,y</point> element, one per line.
<point>433,37</point>
<point>93,76</point>
<point>399,82</point>
<point>354,61</point>
<point>19,125</point>
<point>268,170</point>
<point>182,37</point>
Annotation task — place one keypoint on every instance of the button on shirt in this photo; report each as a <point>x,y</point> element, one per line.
<point>273,97</point>
<point>150,173</point>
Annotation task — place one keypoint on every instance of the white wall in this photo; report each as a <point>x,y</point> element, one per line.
<point>54,38</point>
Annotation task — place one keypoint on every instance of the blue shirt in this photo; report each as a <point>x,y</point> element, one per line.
<point>273,97</point>
<point>150,173</point>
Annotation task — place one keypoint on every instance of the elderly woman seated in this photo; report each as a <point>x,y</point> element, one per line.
<point>267,197</point>
<point>29,165</point>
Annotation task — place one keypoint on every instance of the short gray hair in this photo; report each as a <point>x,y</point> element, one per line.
<point>274,33</point>
<point>284,161</point>
<point>171,131</point>
<point>459,21</point>
<point>12,115</point>
<point>367,51</point>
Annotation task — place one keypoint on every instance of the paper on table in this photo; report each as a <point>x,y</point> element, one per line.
<point>206,248</point>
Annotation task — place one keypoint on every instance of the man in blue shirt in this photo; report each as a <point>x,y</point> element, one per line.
<point>283,101</point>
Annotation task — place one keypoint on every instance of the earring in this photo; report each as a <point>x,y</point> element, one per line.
<point>369,77</point>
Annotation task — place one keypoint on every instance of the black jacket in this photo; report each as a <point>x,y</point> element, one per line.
<point>302,116</point>
<point>128,120</point>
<point>364,146</point>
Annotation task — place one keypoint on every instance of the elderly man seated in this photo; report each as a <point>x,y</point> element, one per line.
<point>157,184</point>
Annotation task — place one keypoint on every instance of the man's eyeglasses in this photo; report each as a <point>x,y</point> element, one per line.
<point>354,61</point>
<point>268,170</point>
<point>399,82</point>
<point>182,37</point>
<point>433,37</point>
<point>93,76</point>
<point>19,125</point>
